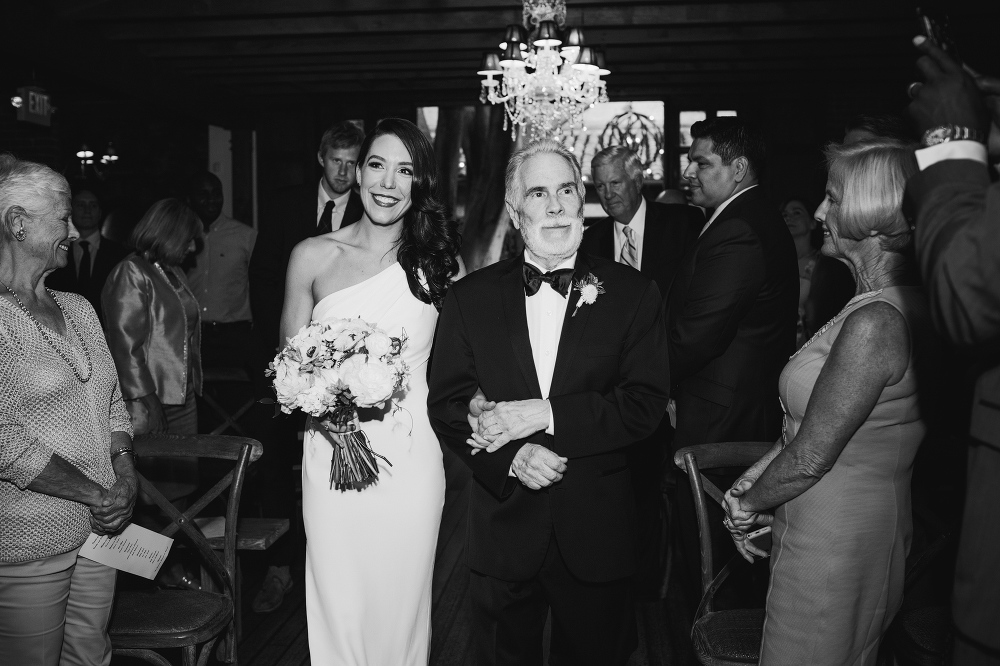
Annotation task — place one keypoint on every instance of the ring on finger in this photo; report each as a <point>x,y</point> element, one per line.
<point>912,89</point>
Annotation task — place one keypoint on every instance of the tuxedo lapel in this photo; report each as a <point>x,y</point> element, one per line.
<point>573,328</point>
<point>512,294</point>
<point>606,240</point>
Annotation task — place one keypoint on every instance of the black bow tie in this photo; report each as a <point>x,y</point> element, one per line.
<point>560,280</point>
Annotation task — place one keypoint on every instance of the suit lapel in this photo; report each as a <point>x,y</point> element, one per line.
<point>573,328</point>
<point>512,294</point>
<point>652,243</point>
<point>352,211</point>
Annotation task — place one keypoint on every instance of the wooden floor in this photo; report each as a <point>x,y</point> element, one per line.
<point>279,638</point>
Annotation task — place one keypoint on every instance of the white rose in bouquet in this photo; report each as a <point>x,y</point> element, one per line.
<point>289,382</point>
<point>378,344</point>
<point>352,333</point>
<point>371,383</point>
<point>332,330</point>
<point>316,400</point>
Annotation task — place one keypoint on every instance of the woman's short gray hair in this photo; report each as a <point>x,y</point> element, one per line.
<point>515,186</point>
<point>629,160</point>
<point>871,178</point>
<point>25,189</point>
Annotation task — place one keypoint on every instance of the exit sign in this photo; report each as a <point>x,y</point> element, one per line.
<point>36,107</point>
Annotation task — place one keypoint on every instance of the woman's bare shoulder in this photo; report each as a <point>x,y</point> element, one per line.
<point>320,249</point>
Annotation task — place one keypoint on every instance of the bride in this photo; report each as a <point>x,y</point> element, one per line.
<point>370,553</point>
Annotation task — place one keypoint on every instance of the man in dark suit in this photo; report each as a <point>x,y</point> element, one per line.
<point>92,256</point>
<point>299,213</point>
<point>295,214</point>
<point>731,311</point>
<point>574,378</point>
<point>652,238</point>
<point>956,211</point>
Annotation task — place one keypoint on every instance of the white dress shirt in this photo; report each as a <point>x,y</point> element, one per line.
<point>339,206</point>
<point>638,226</point>
<point>722,208</point>
<point>95,244</point>
<point>951,150</point>
<point>546,311</point>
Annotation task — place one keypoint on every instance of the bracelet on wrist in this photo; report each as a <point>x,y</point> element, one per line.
<point>122,451</point>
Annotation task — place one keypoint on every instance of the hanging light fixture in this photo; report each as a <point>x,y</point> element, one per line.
<point>544,81</point>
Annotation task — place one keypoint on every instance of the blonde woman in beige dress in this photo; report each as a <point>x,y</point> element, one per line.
<point>838,481</point>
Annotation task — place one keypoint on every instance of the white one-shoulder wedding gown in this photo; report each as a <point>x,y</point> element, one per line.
<point>370,554</point>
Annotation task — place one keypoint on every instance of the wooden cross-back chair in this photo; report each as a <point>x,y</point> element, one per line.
<point>729,637</point>
<point>144,621</point>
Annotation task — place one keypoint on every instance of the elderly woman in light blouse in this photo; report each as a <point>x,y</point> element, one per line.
<point>66,467</point>
<point>838,481</point>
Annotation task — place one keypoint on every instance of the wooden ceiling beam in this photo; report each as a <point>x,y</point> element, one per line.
<point>103,10</point>
<point>818,61</point>
<point>483,40</point>
<point>665,81</point>
<point>458,20</point>
<point>618,58</point>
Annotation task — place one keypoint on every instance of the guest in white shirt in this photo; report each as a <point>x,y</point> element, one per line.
<point>219,277</point>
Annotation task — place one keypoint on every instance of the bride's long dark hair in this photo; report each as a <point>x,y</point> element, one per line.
<point>429,241</point>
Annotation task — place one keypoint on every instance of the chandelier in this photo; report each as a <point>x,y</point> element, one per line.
<point>545,82</point>
<point>637,132</point>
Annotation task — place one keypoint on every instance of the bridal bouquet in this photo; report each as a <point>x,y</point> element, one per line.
<point>330,369</point>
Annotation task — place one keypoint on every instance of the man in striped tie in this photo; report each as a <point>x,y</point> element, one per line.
<point>652,238</point>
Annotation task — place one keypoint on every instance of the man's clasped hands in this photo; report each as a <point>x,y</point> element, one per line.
<point>495,424</point>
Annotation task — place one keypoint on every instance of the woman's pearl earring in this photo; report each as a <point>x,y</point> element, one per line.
<point>20,234</point>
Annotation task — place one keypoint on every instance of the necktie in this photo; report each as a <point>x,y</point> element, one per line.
<point>630,253</point>
<point>325,225</point>
<point>83,276</point>
<point>560,280</point>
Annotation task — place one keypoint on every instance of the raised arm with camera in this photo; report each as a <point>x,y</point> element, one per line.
<point>956,211</point>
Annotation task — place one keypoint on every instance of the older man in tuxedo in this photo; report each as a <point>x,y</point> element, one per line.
<point>569,350</point>
<point>732,309</point>
<point>651,238</point>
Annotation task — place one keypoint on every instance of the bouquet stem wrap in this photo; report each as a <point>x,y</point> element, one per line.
<point>354,465</point>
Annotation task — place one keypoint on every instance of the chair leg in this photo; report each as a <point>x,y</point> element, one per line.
<point>189,654</point>
<point>667,543</point>
<point>207,649</point>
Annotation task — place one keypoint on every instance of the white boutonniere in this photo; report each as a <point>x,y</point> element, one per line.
<point>590,288</point>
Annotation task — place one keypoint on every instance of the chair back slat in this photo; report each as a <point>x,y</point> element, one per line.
<point>186,524</point>
<point>203,501</point>
<point>701,511</point>
<point>200,446</point>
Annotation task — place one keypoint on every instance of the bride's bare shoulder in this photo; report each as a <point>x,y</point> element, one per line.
<point>322,249</point>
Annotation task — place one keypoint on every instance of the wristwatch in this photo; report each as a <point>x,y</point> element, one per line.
<point>942,133</point>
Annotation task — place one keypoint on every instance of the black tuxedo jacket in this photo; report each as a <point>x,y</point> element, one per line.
<point>65,279</point>
<point>670,230</point>
<point>731,316</point>
<point>609,389</point>
<point>292,219</point>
